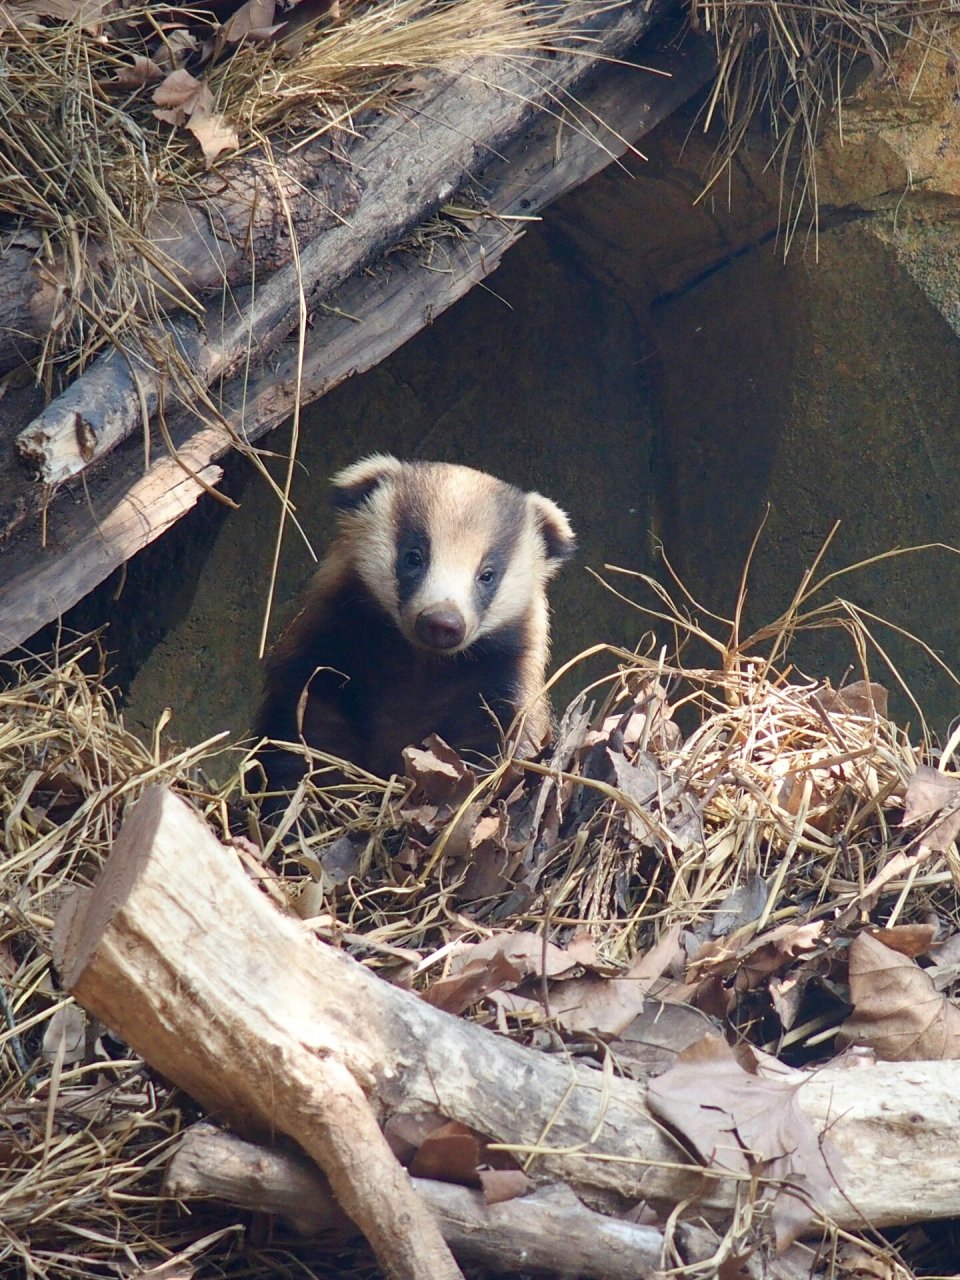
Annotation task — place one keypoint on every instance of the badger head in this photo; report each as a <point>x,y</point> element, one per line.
<point>451,554</point>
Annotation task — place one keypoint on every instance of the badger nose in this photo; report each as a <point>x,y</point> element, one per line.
<point>440,628</point>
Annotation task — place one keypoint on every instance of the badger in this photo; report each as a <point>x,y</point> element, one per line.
<point>428,614</point>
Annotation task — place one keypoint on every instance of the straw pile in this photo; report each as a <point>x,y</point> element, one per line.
<point>748,843</point>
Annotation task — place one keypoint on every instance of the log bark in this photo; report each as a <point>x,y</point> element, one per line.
<point>419,156</point>
<point>180,954</point>
<point>299,1085</point>
<point>549,1230</point>
<point>363,322</point>
<point>235,223</point>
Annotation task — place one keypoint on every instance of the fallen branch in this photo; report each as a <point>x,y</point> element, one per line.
<point>412,160</point>
<point>549,1230</point>
<point>180,954</point>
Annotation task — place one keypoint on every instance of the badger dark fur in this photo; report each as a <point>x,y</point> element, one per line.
<point>427,615</point>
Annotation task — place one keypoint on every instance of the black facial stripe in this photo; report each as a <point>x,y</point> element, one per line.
<point>412,559</point>
<point>497,559</point>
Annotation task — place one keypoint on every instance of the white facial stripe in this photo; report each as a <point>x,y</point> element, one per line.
<point>464,517</point>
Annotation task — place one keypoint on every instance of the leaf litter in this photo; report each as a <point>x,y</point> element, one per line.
<point>713,870</point>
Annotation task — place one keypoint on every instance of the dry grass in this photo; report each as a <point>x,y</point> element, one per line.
<point>786,64</point>
<point>84,161</point>
<point>773,776</point>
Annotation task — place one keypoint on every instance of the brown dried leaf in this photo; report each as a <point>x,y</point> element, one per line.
<point>455,1153</point>
<point>211,129</point>
<point>640,782</point>
<point>253,17</point>
<point>500,1185</point>
<point>440,774</point>
<point>450,1154</point>
<point>896,1009</point>
<point>527,951</point>
<point>909,939</point>
<point>860,698</point>
<point>610,1005</point>
<point>929,791</point>
<point>15,14</point>
<point>656,1036</point>
<point>177,96</point>
<point>746,1123</point>
<point>143,71</point>
<point>457,992</point>
<point>184,101</point>
<point>758,957</point>
<point>65,1033</point>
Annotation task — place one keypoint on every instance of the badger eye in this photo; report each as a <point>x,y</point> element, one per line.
<point>486,576</point>
<point>413,559</point>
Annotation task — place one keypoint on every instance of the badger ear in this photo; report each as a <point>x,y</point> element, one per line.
<point>558,537</point>
<point>355,483</point>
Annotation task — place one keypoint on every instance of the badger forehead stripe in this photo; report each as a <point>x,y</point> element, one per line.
<point>465,515</point>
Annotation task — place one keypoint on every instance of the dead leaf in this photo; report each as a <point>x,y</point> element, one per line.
<point>16,14</point>
<point>756,958</point>
<point>745,1123</point>
<point>909,939</point>
<point>143,71</point>
<point>656,1036</point>
<point>457,992</point>
<point>67,1028</point>
<point>860,698</point>
<point>176,97</point>
<point>185,102</point>
<point>450,1153</point>
<point>532,955</point>
<point>897,1011</point>
<point>212,130</point>
<point>500,1185</point>
<point>929,792</point>
<point>610,1005</point>
<point>441,776</point>
<point>454,1153</point>
<point>252,18</point>
<point>744,905</point>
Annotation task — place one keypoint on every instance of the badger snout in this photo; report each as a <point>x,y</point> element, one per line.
<point>440,627</point>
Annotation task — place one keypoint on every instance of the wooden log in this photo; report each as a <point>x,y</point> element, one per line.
<point>272,1081</point>
<point>36,594</point>
<point>549,1230</point>
<point>181,955</point>
<point>413,160</point>
<point>227,230</point>
<point>366,320</point>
